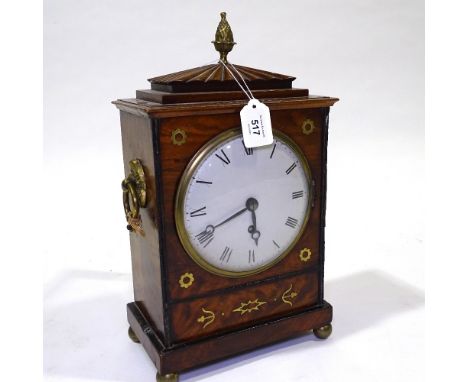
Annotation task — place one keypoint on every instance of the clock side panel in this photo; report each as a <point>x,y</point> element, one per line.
<point>323,199</point>
<point>306,127</point>
<point>137,141</point>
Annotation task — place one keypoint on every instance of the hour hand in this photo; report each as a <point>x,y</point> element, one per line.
<point>254,234</point>
<point>252,205</point>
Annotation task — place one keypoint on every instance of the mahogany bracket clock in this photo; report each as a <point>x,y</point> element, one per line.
<point>227,242</point>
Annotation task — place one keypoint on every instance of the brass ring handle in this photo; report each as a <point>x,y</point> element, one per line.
<point>132,209</point>
<point>134,196</point>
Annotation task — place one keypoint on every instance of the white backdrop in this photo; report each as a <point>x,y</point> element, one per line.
<point>369,53</point>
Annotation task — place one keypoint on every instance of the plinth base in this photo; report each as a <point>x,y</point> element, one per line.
<point>189,355</point>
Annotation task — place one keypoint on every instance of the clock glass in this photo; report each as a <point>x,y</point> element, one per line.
<point>240,210</point>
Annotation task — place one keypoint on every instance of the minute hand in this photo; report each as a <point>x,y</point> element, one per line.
<point>231,217</point>
<point>207,234</point>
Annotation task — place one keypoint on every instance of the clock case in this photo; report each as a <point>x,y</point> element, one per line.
<point>183,315</point>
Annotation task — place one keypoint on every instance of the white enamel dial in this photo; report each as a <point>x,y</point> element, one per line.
<point>242,209</point>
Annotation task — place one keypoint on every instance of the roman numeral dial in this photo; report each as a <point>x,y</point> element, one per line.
<point>200,212</point>
<point>251,256</point>
<point>204,238</point>
<point>291,222</point>
<point>291,168</point>
<point>243,208</point>
<point>223,157</point>
<point>203,181</point>
<point>297,194</point>
<point>226,255</point>
<point>248,151</point>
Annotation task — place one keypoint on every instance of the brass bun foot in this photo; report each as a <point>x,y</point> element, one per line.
<point>132,335</point>
<point>167,377</point>
<point>324,332</point>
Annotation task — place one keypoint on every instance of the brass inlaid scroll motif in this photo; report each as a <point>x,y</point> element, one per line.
<point>250,306</point>
<point>208,319</point>
<point>289,296</point>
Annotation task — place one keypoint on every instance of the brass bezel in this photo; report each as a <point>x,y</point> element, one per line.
<point>199,156</point>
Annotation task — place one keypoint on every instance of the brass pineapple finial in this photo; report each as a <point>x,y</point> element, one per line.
<point>224,40</point>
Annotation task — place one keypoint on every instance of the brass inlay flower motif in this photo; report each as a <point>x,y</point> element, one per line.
<point>250,306</point>
<point>288,296</point>
<point>208,319</point>
<point>179,137</point>
<point>305,254</point>
<point>308,126</point>
<point>186,280</point>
